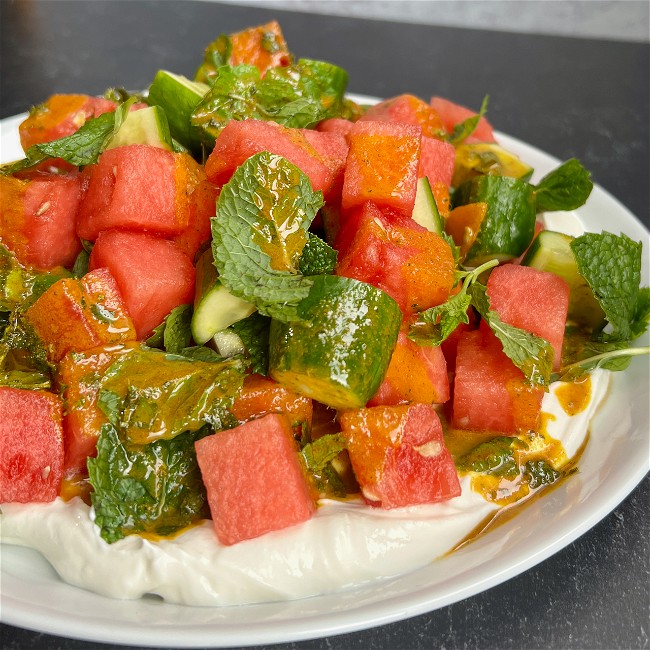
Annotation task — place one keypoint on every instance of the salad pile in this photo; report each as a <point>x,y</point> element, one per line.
<point>237,296</point>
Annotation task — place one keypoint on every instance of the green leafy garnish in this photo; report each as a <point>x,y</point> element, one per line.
<point>611,265</point>
<point>299,96</point>
<point>318,456</point>
<point>539,473</point>
<point>496,457</point>
<point>178,332</point>
<point>317,257</point>
<point>151,395</point>
<point>254,334</point>
<point>154,488</point>
<point>530,353</point>
<point>565,188</point>
<point>263,214</point>
<point>464,129</point>
<point>435,324</point>
<point>81,148</point>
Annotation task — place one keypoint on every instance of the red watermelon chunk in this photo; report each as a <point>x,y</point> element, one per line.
<point>37,219</point>
<point>406,109</point>
<point>254,480</point>
<point>59,116</point>
<point>490,392</point>
<point>76,315</point>
<point>452,114</point>
<point>31,453</point>
<point>536,301</point>
<point>399,456</point>
<point>382,165</point>
<point>333,151</point>
<point>336,125</point>
<point>437,161</point>
<point>134,187</point>
<point>392,252</point>
<point>154,275</point>
<point>239,140</point>
<point>416,373</point>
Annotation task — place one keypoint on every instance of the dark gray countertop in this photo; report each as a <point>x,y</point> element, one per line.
<point>569,97</point>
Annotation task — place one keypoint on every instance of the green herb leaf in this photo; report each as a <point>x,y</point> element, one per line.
<point>436,323</point>
<point>463,130</point>
<point>497,457</point>
<point>317,258</point>
<point>81,148</point>
<point>178,329</point>
<point>30,380</point>
<point>254,333</point>
<point>565,188</point>
<point>611,265</point>
<point>263,215</point>
<point>152,395</point>
<point>531,354</point>
<point>154,488</point>
<point>323,450</point>
<point>539,473</point>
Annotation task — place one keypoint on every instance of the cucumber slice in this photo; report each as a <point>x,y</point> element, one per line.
<point>144,126</point>
<point>215,308</point>
<point>178,96</point>
<point>425,211</point>
<point>228,343</point>
<point>551,251</point>
<point>485,158</point>
<point>509,223</point>
<point>339,353</point>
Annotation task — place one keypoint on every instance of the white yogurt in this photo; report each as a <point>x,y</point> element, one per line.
<point>344,544</point>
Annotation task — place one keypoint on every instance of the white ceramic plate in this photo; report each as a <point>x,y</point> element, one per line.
<point>614,462</point>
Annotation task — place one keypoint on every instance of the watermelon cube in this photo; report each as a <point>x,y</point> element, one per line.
<point>452,114</point>
<point>416,373</point>
<point>437,161</point>
<point>76,315</point>
<point>392,252</point>
<point>335,125</point>
<point>490,392</point>
<point>382,165</point>
<point>37,219</point>
<point>59,116</point>
<point>154,275</point>
<point>31,453</point>
<point>239,140</point>
<point>262,395</point>
<point>533,300</point>
<point>254,480</point>
<point>78,376</point>
<point>138,187</point>
<point>406,109</point>
<point>399,456</point>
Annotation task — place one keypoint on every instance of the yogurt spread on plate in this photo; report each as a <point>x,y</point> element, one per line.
<point>344,544</point>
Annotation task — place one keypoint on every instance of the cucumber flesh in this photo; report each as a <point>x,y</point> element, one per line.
<point>551,251</point>
<point>228,343</point>
<point>425,210</point>
<point>215,308</point>
<point>144,126</point>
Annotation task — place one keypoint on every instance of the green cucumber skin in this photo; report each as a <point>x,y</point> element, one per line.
<point>178,107</point>
<point>346,340</point>
<point>509,224</point>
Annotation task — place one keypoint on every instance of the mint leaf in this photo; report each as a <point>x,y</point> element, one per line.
<point>436,323</point>
<point>611,265</point>
<point>614,356</point>
<point>496,456</point>
<point>178,333</point>
<point>154,488</point>
<point>259,233</point>
<point>317,257</point>
<point>539,473</point>
<point>531,354</point>
<point>216,55</point>
<point>254,334</point>
<point>641,316</point>
<point>298,96</point>
<point>27,379</point>
<point>81,148</point>
<point>149,395</point>
<point>464,129</point>
<point>565,188</point>
<point>323,450</point>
